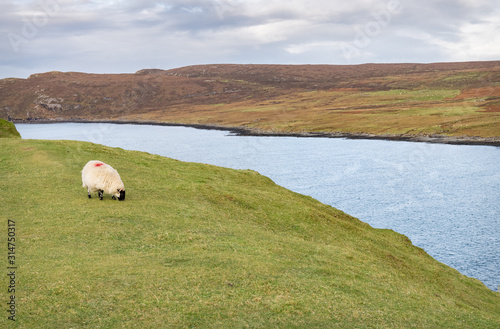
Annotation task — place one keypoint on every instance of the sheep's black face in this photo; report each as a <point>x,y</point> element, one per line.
<point>122,195</point>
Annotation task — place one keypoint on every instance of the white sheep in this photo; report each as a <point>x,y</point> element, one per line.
<point>101,177</point>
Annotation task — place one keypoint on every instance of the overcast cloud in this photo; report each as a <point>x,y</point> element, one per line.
<point>124,36</point>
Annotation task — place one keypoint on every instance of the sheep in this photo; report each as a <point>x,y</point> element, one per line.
<point>101,177</point>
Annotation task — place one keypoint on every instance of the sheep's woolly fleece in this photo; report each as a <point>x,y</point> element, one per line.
<point>100,177</point>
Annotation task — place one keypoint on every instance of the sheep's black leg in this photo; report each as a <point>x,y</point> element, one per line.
<point>100,195</point>
<point>89,194</point>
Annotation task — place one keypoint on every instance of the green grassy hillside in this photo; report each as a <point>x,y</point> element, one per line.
<point>198,246</point>
<point>8,130</point>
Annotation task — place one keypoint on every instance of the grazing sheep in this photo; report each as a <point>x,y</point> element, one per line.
<point>101,177</point>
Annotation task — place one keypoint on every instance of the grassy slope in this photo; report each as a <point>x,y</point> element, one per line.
<point>8,130</point>
<point>439,109</point>
<point>453,101</point>
<point>201,246</point>
<point>414,111</point>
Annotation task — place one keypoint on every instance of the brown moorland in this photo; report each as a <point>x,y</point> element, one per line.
<point>447,99</point>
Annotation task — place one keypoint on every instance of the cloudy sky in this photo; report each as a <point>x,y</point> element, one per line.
<point>122,36</point>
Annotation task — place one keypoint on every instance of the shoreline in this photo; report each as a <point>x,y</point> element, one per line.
<point>242,131</point>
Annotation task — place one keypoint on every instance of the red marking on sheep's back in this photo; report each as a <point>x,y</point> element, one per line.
<point>99,164</point>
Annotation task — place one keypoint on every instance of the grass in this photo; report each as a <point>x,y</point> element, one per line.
<point>199,246</point>
<point>395,111</point>
<point>462,79</point>
<point>8,130</point>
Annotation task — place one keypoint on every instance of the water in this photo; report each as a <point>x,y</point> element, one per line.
<point>445,198</point>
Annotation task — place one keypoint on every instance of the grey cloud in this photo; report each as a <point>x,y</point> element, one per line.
<point>85,35</point>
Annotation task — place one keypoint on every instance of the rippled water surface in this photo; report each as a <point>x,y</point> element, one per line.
<point>445,198</point>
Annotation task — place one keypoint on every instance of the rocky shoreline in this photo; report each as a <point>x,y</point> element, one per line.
<point>242,131</point>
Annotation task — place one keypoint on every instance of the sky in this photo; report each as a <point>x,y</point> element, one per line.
<point>124,36</point>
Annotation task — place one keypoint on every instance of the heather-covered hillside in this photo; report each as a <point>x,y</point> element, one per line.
<point>459,99</point>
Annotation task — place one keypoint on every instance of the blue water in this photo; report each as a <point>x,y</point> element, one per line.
<point>445,198</point>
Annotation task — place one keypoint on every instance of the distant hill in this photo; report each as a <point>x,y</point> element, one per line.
<point>440,98</point>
